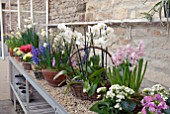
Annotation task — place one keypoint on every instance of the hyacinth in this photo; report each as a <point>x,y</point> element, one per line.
<point>154,104</point>
<point>35,53</point>
<point>129,54</point>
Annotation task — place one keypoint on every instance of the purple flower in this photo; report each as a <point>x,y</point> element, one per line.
<point>158,97</point>
<point>53,62</point>
<point>144,110</point>
<point>42,49</point>
<point>74,63</point>
<point>163,105</point>
<point>148,99</point>
<point>35,59</point>
<point>35,53</point>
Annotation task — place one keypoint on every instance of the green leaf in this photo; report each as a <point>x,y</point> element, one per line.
<point>93,88</point>
<point>86,85</point>
<point>69,84</point>
<point>168,101</point>
<point>128,105</point>
<point>99,107</point>
<point>63,72</point>
<point>167,111</point>
<point>96,73</point>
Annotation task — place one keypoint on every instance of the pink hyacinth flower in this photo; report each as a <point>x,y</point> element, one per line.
<point>53,62</point>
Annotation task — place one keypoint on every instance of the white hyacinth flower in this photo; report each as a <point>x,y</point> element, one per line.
<point>43,33</point>
<point>45,45</point>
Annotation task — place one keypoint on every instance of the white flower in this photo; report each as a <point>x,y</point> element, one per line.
<point>43,33</point>
<point>63,52</point>
<point>45,45</point>
<point>50,30</point>
<point>29,26</point>
<point>110,94</point>
<point>27,20</point>
<point>101,25</point>
<point>119,96</point>
<point>117,105</point>
<point>84,90</point>
<point>98,96</point>
<point>101,89</point>
<point>62,27</point>
<point>118,100</point>
<point>34,24</point>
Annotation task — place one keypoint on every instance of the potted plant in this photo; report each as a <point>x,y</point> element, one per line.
<point>157,8</point>
<point>89,68</point>
<point>128,67</point>
<point>156,100</point>
<point>52,57</point>
<point>117,100</point>
<point>26,58</point>
<point>17,53</point>
<point>13,40</point>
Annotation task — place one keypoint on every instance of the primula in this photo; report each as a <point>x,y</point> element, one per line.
<point>27,57</point>
<point>154,104</point>
<point>157,89</point>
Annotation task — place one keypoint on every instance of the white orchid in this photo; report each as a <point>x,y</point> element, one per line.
<point>62,27</point>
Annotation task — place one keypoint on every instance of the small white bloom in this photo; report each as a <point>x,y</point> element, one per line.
<point>117,105</point>
<point>119,96</point>
<point>50,30</point>
<point>118,100</point>
<point>101,89</point>
<point>29,26</point>
<point>98,96</point>
<point>45,45</point>
<point>43,33</point>
<point>84,90</point>
<point>27,20</point>
<point>62,27</point>
<point>110,94</point>
<point>34,24</point>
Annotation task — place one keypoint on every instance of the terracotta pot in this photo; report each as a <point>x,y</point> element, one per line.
<point>11,52</point>
<point>49,75</point>
<point>27,65</point>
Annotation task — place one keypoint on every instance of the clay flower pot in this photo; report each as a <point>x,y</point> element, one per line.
<point>11,52</point>
<point>49,75</point>
<point>27,65</point>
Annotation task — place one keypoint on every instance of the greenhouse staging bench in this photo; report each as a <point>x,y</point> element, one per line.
<point>40,102</point>
<point>44,99</point>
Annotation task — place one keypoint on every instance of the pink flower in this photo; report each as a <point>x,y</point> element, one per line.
<point>158,97</point>
<point>140,49</point>
<point>74,63</point>
<point>163,105</point>
<point>144,110</point>
<point>53,62</point>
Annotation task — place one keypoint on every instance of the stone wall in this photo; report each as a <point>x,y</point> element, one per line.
<point>153,34</point>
